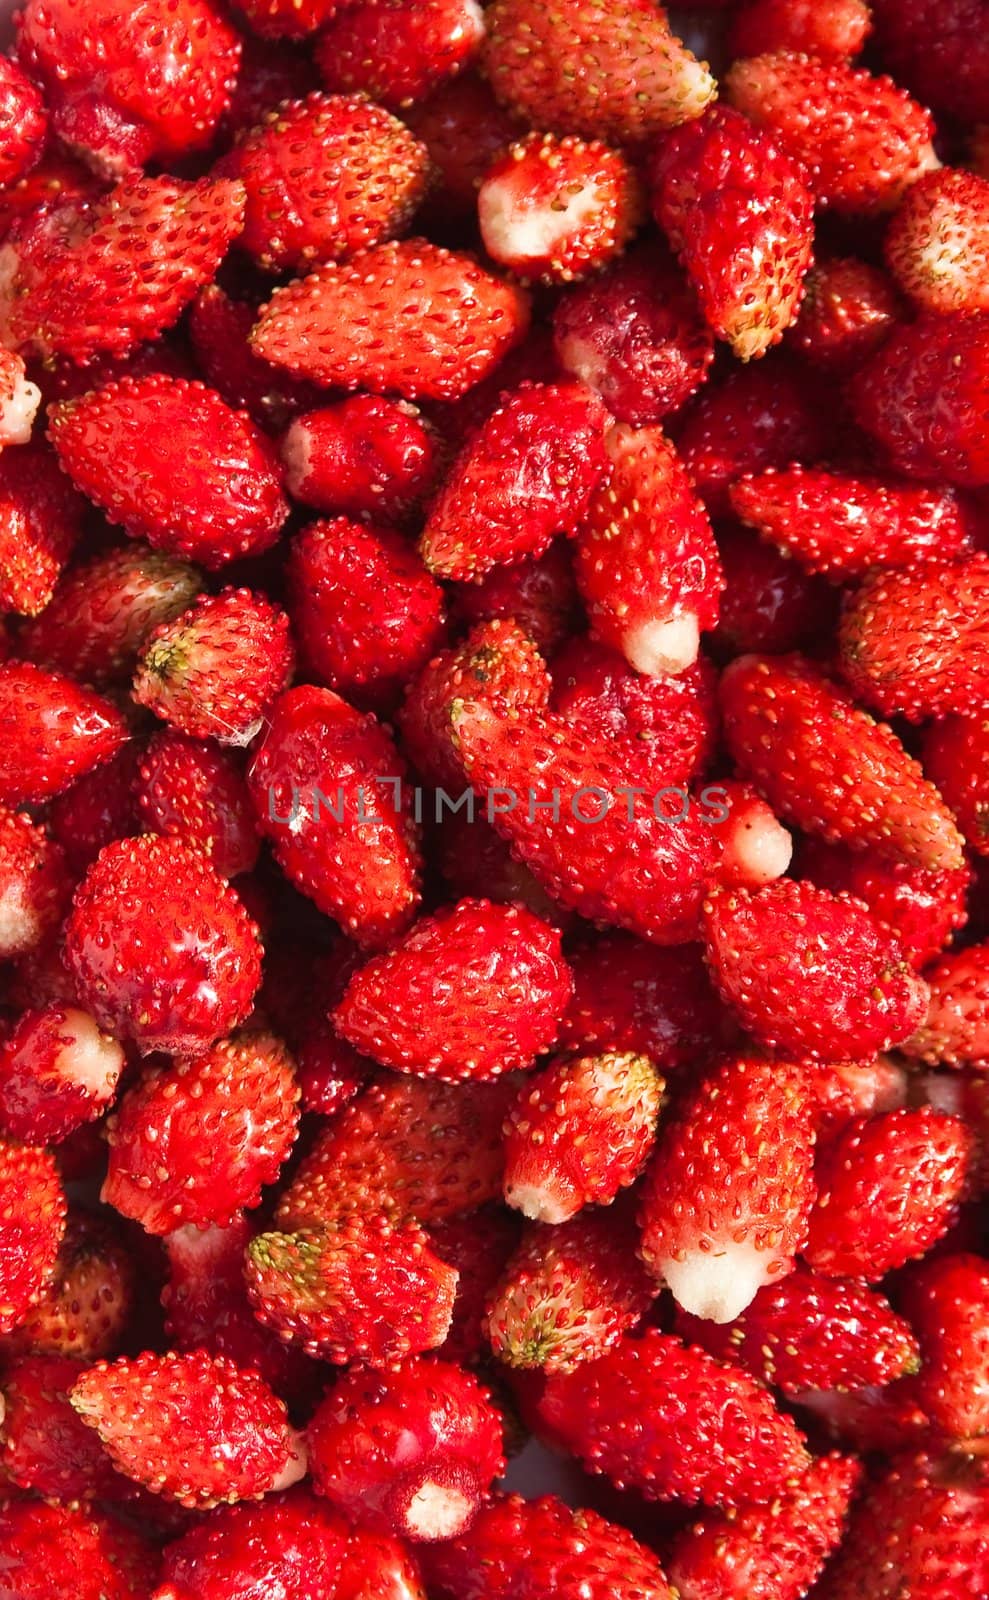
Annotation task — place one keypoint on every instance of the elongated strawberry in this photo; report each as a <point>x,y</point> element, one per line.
<point>827,766</point>
<point>196,791</point>
<point>956,755</point>
<point>53,731</point>
<point>609,71</point>
<point>647,564</point>
<point>725,1203</point>
<point>924,906</point>
<point>946,1302</point>
<point>834,32</point>
<point>161,948</point>
<point>366,457</point>
<point>673,1423</point>
<point>71,285</point>
<point>580,1131</point>
<point>396,51</point>
<point>173,464</point>
<point>849,308</point>
<point>770,604</point>
<point>935,240</point>
<point>914,642</point>
<point>23,123</point>
<point>938,49</point>
<point>739,215</point>
<point>326,784</point>
<point>64,1553</point>
<point>886,1189</point>
<point>86,1306</point>
<point>191,1427</point>
<point>41,517</point>
<point>411,319</point>
<point>34,885</point>
<point>811,972</point>
<point>472,991</point>
<point>293,1541</point>
<point>358,1289</point>
<point>57,1071</point>
<point>32,1224</point>
<point>44,1446</point>
<point>955,1031</point>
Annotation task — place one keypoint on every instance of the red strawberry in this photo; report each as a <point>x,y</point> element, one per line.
<point>936,240</point>
<point>300,987</point>
<point>925,907</point>
<point>54,731</point>
<point>44,1446</point>
<point>725,1202</point>
<point>34,884</point>
<point>97,809</point>
<point>769,603</point>
<point>365,611</point>
<point>412,1452</point>
<point>773,1551</point>
<point>922,397</point>
<point>377,1567</point>
<point>73,284</point>
<point>672,1423</point>
<point>526,475</point>
<point>54,180</point>
<point>41,517</point>
<point>62,1553</point>
<point>636,337</point>
<point>887,1186</point>
<point>568,1294</point>
<point>736,210</point>
<point>465,130</point>
<point>947,1301</point>
<point>595,67</point>
<point>173,464</point>
<point>160,947</point>
<point>558,209</point>
<point>939,50</point>
<point>220,330</point>
<point>288,1545</point>
<point>842,526</point>
<point>193,791</point>
<point>478,1245</point>
<point>848,1089</point>
<point>86,1307</point>
<point>352,847</point>
<point>23,124</point>
<point>411,1147</point>
<point>215,671</point>
<point>647,565</point>
<point>862,140</point>
<point>528,1549</point>
<point>834,32</point>
<point>956,755</point>
<point>165,77</point>
<point>580,1130</point>
<point>326,176</point>
<point>955,1031</point>
<point>540,595</point>
<point>915,642</point>
<point>295,18</point>
<point>811,972</point>
<point>365,457</point>
<point>194,1428</point>
<point>358,1289</point>
<point>32,1223</point>
<point>809,1332</point>
<point>827,766</point>
<point>410,318</point>
<point>472,991</point>
<point>57,1071</point>
<point>104,609</point>
<point>849,308</point>
<point>270,72</point>
<point>396,51</point>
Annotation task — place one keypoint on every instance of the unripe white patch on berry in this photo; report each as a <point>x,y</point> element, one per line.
<point>719,1284</point>
<point>296,1466</point>
<point>20,928</point>
<point>90,1059</point>
<point>657,648</point>
<point>296,452</point>
<point>522,233</point>
<point>542,1202</point>
<point>757,850</point>
<point>17,412</point>
<point>437,1511</point>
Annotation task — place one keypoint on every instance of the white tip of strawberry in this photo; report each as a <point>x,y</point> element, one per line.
<point>89,1059</point>
<point>438,1511</point>
<point>945,1091</point>
<point>541,1202</point>
<point>295,1467</point>
<point>18,410</point>
<point>296,451</point>
<point>718,1285</point>
<point>20,928</point>
<point>518,233</point>
<point>758,848</point>
<point>659,648</point>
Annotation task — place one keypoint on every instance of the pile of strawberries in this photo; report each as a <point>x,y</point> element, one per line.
<point>494,800</point>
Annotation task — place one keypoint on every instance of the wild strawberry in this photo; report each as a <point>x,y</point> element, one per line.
<point>470,992</point>
<point>191,1427</point>
<point>736,210</point>
<point>104,609</point>
<point>166,75</point>
<point>956,755</point>
<point>647,565</point>
<point>922,395</point>
<point>936,239</point>
<point>925,907</point>
<point>833,32</point>
<point>412,1452</point>
<point>580,1130</point>
<point>196,791</point>
<point>396,51</point>
<point>215,671</point>
<point>34,885</point>
<point>955,1032</point>
<point>769,603</point>
<point>525,476</point>
<point>465,130</point>
<point>376,1564</point>
<point>220,332</point>
<point>848,1089</point>
<point>849,308</point>
<point>568,1293</point>
<point>938,49</point>
<point>286,1544</point>
<point>32,1223</point>
<point>946,1302</point>
<point>811,972</point>
<point>293,18</point>
<point>410,318</point>
<point>810,1332</point>
<point>300,989</point>
<point>539,594</point>
<point>842,526</point>
<point>325,177</point>
<point>54,731</point>
<point>673,1423</point>
<point>85,1309</point>
<point>173,464</point>
<point>479,1246</point>
<point>197,1140</point>
<point>57,1071</point>
<point>531,360</point>
<point>97,809</point>
<point>827,766</point>
<point>44,1446</point>
<point>558,209</point>
<point>160,947</point>
<point>352,847</point>
<point>41,518</point>
<point>886,1189</point>
<point>605,70</point>
<point>776,1550</point>
<point>23,124</point>
<point>64,1553</point>
<point>862,140</point>
<point>358,1289</point>
<point>271,71</point>
<point>914,642</point>
<point>477,863</point>
<point>71,283</point>
<point>366,613</point>
<point>366,457</point>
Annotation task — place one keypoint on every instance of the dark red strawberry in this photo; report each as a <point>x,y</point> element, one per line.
<point>834,32</point>
<point>220,330</point>
<point>41,518</point>
<point>956,755</point>
<point>924,906</point>
<point>98,809</point>
<point>946,1301</point>
<point>57,1071</point>
<point>44,1446</point>
<point>849,308</point>
<point>366,457</point>
<point>396,51</point>
<point>464,129</point>
<point>32,1224</point>
<point>292,1541</point>
<point>769,603</point>
<point>53,732</point>
<point>939,50</point>
<point>955,1031</point>
<point>196,791</point>
<point>23,124</point>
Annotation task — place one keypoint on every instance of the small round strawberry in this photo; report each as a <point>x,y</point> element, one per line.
<point>291,1545</point>
<point>835,31</point>
<point>196,791</point>
<point>23,124</point>
<point>366,457</point>
<point>52,731</point>
<point>57,1071</point>
<point>64,1553</point>
<point>32,1225</point>
<point>936,240</point>
<point>44,1446</point>
<point>397,51</point>
<point>849,307</point>
<point>956,756</point>
<point>41,519</point>
<point>161,948</point>
<point>86,1307</point>
<point>35,885</point>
